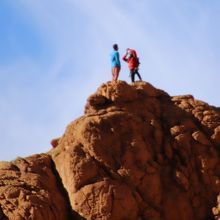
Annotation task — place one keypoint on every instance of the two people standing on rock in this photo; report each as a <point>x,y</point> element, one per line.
<point>130,57</point>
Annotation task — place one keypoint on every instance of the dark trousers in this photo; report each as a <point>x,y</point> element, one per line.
<point>133,72</point>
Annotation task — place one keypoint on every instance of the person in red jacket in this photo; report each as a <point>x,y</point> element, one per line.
<point>133,63</point>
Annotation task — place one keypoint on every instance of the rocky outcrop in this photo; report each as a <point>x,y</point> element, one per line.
<point>216,210</point>
<point>136,154</point>
<point>29,189</point>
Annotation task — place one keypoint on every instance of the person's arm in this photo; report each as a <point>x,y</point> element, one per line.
<point>113,57</point>
<point>117,59</point>
<point>125,58</point>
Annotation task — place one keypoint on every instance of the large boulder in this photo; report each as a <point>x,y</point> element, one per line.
<point>138,153</point>
<point>30,189</point>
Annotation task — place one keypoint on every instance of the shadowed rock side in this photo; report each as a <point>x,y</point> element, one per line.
<point>138,153</point>
<point>29,190</point>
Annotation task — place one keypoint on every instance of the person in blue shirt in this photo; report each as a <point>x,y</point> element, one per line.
<point>115,61</point>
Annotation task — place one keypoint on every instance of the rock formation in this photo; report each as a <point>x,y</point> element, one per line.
<point>216,210</point>
<point>136,154</point>
<point>29,189</point>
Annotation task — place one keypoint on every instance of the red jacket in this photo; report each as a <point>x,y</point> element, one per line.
<point>132,60</point>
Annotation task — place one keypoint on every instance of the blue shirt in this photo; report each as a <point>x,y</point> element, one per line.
<point>115,60</point>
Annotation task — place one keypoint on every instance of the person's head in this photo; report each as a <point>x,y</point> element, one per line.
<point>115,46</point>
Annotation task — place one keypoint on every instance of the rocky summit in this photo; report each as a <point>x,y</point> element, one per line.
<point>136,154</point>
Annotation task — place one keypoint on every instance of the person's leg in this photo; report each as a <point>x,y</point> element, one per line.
<point>117,70</point>
<point>132,75</point>
<point>138,74</point>
<point>113,74</point>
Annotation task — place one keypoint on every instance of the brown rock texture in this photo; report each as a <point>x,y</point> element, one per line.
<point>216,210</point>
<point>29,190</point>
<point>136,154</point>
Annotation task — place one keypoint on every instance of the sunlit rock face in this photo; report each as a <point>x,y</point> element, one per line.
<point>136,154</point>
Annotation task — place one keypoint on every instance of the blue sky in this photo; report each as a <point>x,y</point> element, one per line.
<point>54,54</point>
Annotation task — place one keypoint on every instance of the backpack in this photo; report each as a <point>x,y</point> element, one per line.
<point>134,54</point>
